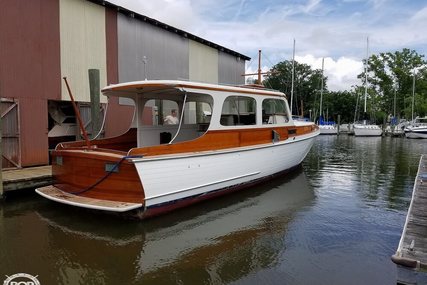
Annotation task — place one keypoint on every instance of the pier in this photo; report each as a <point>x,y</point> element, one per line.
<point>411,254</point>
<point>26,178</point>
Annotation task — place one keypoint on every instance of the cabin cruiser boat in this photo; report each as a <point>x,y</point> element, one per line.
<point>417,129</point>
<point>226,138</point>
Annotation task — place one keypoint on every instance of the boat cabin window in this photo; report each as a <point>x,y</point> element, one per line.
<point>238,110</point>
<point>274,111</point>
<point>160,112</point>
<point>163,121</point>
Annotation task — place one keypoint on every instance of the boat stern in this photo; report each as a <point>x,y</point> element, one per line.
<point>94,179</point>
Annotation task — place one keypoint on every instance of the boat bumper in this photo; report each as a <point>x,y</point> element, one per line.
<point>55,194</point>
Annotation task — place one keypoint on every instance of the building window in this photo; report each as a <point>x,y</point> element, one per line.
<point>238,110</point>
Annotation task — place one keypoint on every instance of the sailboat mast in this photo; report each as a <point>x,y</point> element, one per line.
<point>321,89</point>
<point>293,75</point>
<point>366,72</point>
<point>394,104</point>
<point>413,95</point>
<point>259,67</point>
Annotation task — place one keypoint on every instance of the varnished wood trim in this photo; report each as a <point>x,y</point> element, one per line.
<point>224,139</point>
<point>121,144</point>
<point>82,169</point>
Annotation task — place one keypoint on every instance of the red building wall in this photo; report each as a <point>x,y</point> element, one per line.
<point>30,69</point>
<point>119,117</point>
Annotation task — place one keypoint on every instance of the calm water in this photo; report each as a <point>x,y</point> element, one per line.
<point>336,220</point>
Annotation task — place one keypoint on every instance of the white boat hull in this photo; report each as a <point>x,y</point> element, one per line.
<point>171,179</point>
<point>328,130</point>
<point>367,130</point>
<point>416,132</point>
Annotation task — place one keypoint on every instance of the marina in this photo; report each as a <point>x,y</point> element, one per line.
<point>339,217</point>
<point>141,144</point>
<point>26,178</point>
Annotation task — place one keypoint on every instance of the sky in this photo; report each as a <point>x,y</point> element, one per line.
<point>332,29</point>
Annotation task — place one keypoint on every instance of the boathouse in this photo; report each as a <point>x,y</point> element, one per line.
<point>42,41</point>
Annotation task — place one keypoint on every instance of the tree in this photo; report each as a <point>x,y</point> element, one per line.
<point>390,81</point>
<point>341,103</point>
<point>306,85</point>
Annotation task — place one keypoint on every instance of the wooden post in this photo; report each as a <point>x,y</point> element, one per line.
<point>384,126</point>
<point>94,100</point>
<point>339,125</point>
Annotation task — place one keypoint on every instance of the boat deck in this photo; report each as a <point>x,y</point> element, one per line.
<point>53,193</point>
<point>412,250</point>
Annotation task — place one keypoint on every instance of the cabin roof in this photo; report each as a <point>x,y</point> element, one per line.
<point>125,89</point>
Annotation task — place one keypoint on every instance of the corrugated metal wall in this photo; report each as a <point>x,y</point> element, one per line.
<point>203,61</point>
<point>34,129</point>
<point>230,69</point>
<point>112,45</point>
<point>166,53</point>
<point>43,40</point>
<point>83,46</point>
<point>29,49</point>
<point>30,71</point>
<point>11,149</point>
<point>113,126</point>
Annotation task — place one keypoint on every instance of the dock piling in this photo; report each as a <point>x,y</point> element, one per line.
<point>94,86</point>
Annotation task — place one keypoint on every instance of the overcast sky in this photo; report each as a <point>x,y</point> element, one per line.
<point>333,29</point>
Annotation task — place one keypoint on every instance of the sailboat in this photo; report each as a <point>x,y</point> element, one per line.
<point>417,129</point>
<point>365,129</point>
<point>325,127</point>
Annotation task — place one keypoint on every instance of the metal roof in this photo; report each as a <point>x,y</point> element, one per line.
<point>169,28</point>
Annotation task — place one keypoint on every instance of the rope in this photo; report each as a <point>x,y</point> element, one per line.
<point>106,175</point>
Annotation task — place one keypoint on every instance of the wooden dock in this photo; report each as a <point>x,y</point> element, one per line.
<point>411,254</point>
<point>26,178</point>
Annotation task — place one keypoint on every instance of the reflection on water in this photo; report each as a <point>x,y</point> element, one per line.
<point>228,239</point>
<point>380,170</point>
<point>336,220</point>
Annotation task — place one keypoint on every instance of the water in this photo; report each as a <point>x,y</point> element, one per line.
<point>336,220</point>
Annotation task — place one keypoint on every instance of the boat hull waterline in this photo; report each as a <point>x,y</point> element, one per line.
<point>200,175</point>
<point>416,132</point>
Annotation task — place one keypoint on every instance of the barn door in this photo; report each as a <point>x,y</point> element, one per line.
<point>11,151</point>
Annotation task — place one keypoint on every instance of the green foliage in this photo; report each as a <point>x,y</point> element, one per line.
<point>390,86</point>
<point>390,81</point>
<point>307,84</point>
